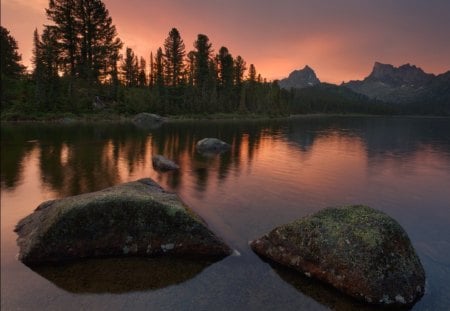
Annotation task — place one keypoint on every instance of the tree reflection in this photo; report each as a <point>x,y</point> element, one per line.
<point>81,158</point>
<point>16,143</point>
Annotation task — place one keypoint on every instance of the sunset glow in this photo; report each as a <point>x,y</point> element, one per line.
<point>339,40</point>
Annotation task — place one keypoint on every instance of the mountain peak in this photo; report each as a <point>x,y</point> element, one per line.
<point>299,79</point>
<point>406,74</point>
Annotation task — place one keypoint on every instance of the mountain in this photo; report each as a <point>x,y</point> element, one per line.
<point>299,79</point>
<point>398,85</point>
<point>408,87</point>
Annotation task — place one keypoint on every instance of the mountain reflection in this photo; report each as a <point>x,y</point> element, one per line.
<point>78,158</point>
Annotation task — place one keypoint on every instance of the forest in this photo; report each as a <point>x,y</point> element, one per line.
<point>80,65</point>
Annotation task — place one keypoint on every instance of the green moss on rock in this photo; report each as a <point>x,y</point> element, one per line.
<point>359,250</point>
<point>137,218</point>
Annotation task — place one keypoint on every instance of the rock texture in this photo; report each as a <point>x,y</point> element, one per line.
<point>356,249</point>
<point>299,79</point>
<point>212,145</point>
<point>161,163</point>
<point>132,219</point>
<point>148,120</point>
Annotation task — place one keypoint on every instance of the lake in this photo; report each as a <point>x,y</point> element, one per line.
<point>275,172</point>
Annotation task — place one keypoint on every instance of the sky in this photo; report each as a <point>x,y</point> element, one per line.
<point>340,40</point>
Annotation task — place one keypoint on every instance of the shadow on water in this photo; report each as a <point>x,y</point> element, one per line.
<point>324,293</point>
<point>122,275</point>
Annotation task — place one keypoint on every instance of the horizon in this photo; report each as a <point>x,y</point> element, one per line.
<point>319,34</point>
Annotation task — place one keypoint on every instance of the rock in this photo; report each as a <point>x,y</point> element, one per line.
<point>212,145</point>
<point>163,164</point>
<point>132,219</point>
<point>148,120</point>
<point>358,250</point>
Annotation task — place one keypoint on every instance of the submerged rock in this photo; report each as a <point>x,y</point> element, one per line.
<point>132,219</point>
<point>148,120</point>
<point>358,250</point>
<point>212,145</point>
<point>163,164</point>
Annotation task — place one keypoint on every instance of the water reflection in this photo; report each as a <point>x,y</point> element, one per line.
<point>325,294</point>
<point>275,171</point>
<point>75,159</point>
<point>122,275</point>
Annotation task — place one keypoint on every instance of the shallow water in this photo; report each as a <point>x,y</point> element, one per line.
<point>276,171</point>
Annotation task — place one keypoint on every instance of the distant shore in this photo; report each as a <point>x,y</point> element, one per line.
<point>67,118</point>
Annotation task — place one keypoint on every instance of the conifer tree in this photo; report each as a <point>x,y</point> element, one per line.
<point>130,69</point>
<point>142,78</point>
<point>251,74</point>
<point>225,66</point>
<point>11,69</point>
<point>10,59</point>
<point>174,52</point>
<point>87,37</point>
<point>159,68</point>
<point>190,70</point>
<point>225,79</point>
<point>239,70</point>
<point>46,66</point>
<point>151,77</point>
<point>202,57</point>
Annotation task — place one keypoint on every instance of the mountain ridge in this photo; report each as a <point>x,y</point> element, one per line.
<point>300,78</point>
<point>405,89</point>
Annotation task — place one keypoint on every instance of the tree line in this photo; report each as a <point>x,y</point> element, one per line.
<point>78,67</point>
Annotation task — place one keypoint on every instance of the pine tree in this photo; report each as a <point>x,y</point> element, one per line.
<point>130,69</point>
<point>46,65</point>
<point>225,80</point>
<point>252,74</point>
<point>190,70</point>
<point>159,69</point>
<point>142,78</point>
<point>98,39</point>
<point>226,70</point>
<point>239,70</point>
<point>202,57</point>
<point>174,52</point>
<point>11,70</point>
<point>10,59</point>
<point>87,37</point>
<point>151,76</point>
<point>63,14</point>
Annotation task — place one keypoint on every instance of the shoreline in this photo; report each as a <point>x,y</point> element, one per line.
<point>69,118</point>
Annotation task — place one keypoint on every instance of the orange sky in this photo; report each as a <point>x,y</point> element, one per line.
<point>340,40</point>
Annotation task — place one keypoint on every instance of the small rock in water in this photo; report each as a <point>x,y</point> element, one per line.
<point>212,146</point>
<point>163,164</point>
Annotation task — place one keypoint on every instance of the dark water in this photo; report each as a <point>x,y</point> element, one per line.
<point>275,172</point>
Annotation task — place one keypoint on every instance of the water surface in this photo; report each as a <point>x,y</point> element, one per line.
<point>275,172</point>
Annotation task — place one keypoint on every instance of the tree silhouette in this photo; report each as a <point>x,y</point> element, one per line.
<point>174,52</point>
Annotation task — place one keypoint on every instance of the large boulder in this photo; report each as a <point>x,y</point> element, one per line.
<point>212,145</point>
<point>132,219</point>
<point>148,120</point>
<point>161,163</point>
<point>358,250</point>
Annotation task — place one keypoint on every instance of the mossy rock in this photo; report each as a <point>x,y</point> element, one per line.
<point>161,163</point>
<point>212,146</point>
<point>132,219</point>
<point>358,250</point>
<point>147,120</point>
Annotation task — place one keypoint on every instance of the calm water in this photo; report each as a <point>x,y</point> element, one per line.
<point>275,172</point>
